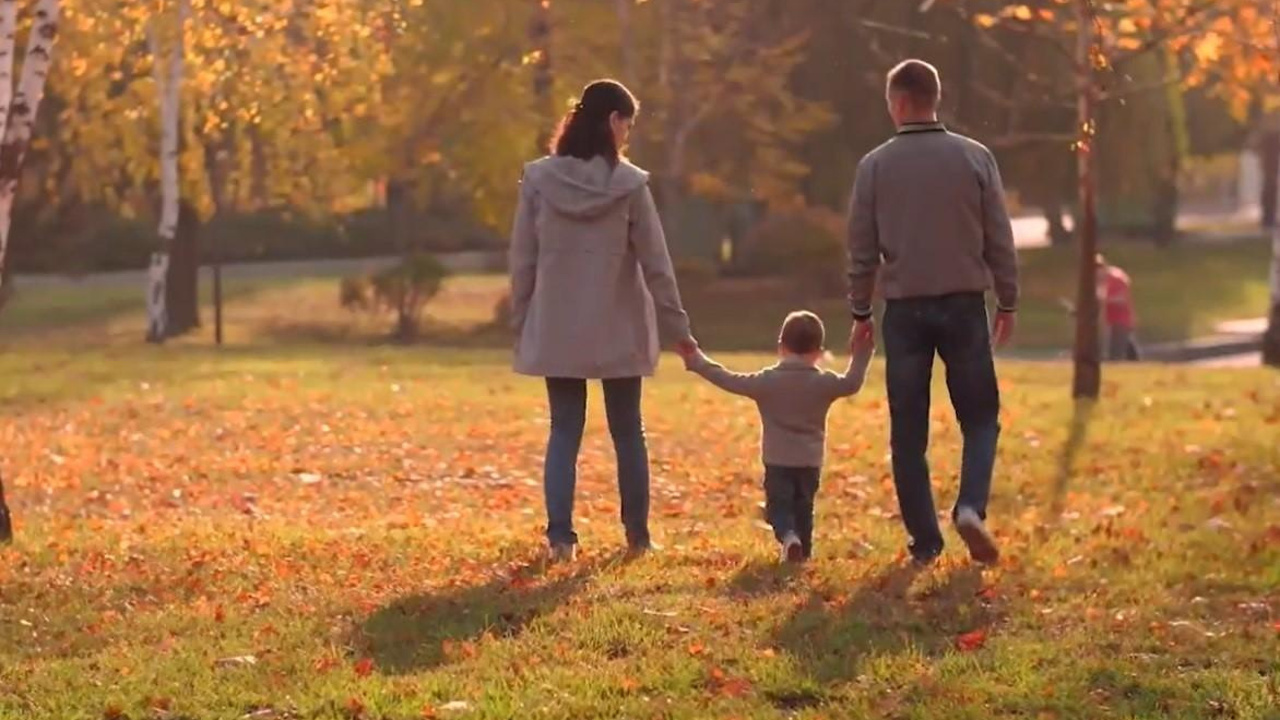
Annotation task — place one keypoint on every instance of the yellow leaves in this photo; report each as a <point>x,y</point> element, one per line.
<point>1019,12</point>
<point>1209,49</point>
<point>1022,13</point>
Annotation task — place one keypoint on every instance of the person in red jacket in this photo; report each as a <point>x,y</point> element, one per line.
<point>1115,298</point>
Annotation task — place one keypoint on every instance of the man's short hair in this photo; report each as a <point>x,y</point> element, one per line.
<point>918,81</point>
<point>802,333</point>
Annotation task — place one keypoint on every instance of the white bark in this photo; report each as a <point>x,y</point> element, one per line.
<point>19,109</point>
<point>8,42</point>
<point>169,82</point>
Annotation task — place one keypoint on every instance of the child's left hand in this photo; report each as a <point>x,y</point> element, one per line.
<point>862,343</point>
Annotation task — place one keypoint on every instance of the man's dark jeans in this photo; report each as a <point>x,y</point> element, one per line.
<point>954,327</point>
<point>788,502</point>
<point>568,399</point>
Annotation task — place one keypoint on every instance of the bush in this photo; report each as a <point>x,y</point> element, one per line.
<point>806,245</point>
<point>404,289</point>
<point>114,243</point>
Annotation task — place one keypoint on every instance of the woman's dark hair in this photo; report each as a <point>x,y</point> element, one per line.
<point>584,132</point>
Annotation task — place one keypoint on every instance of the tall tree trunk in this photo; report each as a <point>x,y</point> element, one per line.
<point>8,45</point>
<point>1269,154</point>
<point>18,110</point>
<point>1271,340</point>
<point>217,161</point>
<point>1088,366</point>
<point>182,284</point>
<point>259,195</point>
<point>6,521</point>
<point>627,52</point>
<point>169,80</point>
<point>543,77</point>
<point>670,60</point>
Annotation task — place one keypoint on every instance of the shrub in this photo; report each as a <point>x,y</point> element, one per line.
<point>806,245</point>
<point>403,289</point>
<point>356,293</point>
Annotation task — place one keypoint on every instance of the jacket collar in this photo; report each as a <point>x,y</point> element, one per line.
<point>921,127</point>
<point>795,363</point>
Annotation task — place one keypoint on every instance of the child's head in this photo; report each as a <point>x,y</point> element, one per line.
<point>802,334</point>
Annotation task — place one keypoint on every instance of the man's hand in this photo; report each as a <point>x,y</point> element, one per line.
<point>1003,327</point>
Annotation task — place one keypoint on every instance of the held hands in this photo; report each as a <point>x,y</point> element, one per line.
<point>687,348</point>
<point>863,337</point>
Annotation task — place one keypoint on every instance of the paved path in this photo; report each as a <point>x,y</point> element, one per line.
<point>1232,361</point>
<point>1032,231</point>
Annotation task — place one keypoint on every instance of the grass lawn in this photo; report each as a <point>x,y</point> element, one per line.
<point>328,531</point>
<point>1181,292</point>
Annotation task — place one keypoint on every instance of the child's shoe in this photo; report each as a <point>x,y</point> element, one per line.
<point>562,553</point>
<point>792,549</point>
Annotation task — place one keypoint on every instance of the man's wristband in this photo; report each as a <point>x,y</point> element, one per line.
<point>862,315</point>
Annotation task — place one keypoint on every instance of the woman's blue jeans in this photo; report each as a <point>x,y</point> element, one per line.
<point>568,400</point>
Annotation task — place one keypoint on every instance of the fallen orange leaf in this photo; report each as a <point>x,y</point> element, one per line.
<point>970,641</point>
<point>364,667</point>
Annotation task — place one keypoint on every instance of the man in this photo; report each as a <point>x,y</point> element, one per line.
<point>1115,296</point>
<point>928,216</point>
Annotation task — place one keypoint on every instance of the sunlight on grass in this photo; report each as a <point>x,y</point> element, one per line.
<point>337,532</point>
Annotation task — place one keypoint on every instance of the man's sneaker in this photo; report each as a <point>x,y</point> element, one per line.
<point>562,553</point>
<point>792,549</point>
<point>982,547</point>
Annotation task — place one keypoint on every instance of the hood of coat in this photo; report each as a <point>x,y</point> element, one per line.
<point>583,188</point>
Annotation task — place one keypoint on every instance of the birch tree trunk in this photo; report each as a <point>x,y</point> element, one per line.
<point>18,110</point>
<point>17,118</point>
<point>1088,366</point>
<point>169,80</point>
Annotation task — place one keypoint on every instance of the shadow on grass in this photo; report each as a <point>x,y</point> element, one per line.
<point>421,632</point>
<point>1077,433</point>
<point>832,637</point>
<point>764,577</point>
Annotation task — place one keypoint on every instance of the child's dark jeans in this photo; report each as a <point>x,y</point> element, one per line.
<point>789,494</point>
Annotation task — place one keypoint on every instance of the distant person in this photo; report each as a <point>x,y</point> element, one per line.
<point>928,216</point>
<point>1119,319</point>
<point>793,398</point>
<point>591,287</point>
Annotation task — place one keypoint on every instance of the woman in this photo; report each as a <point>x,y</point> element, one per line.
<point>591,286</point>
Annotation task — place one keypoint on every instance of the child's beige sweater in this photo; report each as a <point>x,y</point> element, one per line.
<point>793,397</point>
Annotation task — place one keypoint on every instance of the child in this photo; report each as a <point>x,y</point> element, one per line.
<point>793,397</point>
<point>1115,295</point>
